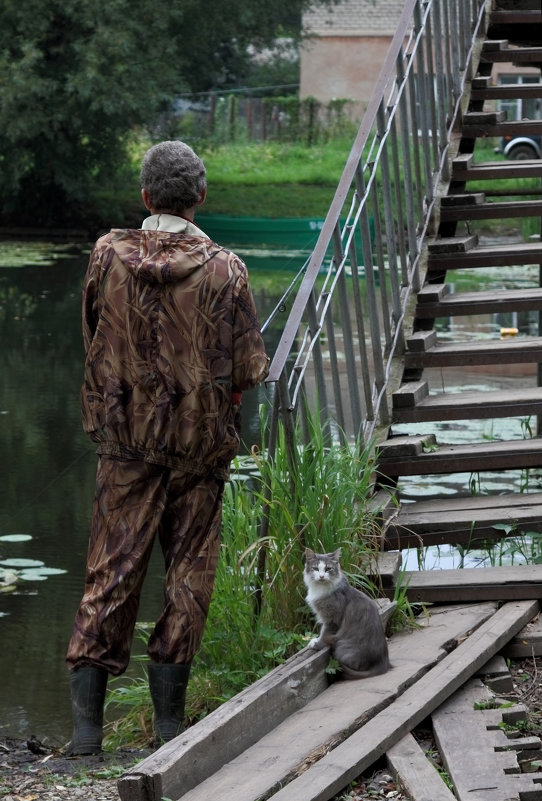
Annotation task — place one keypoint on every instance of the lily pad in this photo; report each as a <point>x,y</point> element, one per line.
<point>15,537</point>
<point>22,563</point>
<point>40,573</point>
<point>31,575</point>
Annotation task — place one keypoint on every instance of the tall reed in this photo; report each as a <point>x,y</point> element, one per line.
<point>321,504</point>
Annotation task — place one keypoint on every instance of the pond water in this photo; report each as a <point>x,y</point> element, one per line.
<point>48,466</point>
<point>47,474</point>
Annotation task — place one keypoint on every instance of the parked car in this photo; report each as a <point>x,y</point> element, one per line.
<point>521,147</point>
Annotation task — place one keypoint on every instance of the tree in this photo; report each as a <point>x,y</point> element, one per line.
<point>77,75</point>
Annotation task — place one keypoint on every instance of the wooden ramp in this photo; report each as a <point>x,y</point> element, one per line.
<point>428,397</point>
<point>292,736</point>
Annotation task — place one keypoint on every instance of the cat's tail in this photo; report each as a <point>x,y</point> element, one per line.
<point>377,670</point>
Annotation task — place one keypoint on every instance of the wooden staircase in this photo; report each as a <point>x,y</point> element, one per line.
<point>430,359</point>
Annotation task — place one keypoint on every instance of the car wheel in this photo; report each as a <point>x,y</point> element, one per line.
<point>521,152</point>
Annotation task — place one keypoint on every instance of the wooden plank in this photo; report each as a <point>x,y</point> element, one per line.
<point>488,770</point>
<point>465,405</point>
<point>453,244</point>
<point>410,393</point>
<point>430,305</point>
<point>420,779</point>
<point>492,211</point>
<point>335,770</point>
<point>520,55</point>
<point>311,731</point>
<point>527,643</point>
<point>470,199</point>
<point>497,583</point>
<point>422,341</point>
<point>525,91</point>
<point>496,675</point>
<point>383,567</point>
<point>465,169</point>
<point>502,256</point>
<point>515,350</point>
<point>232,727</point>
<point>484,117</point>
<point>514,16</point>
<point>442,458</point>
<point>434,532</point>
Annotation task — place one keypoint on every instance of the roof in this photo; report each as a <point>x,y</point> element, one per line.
<point>354,18</point>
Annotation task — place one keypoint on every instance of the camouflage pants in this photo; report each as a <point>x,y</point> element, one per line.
<point>134,502</point>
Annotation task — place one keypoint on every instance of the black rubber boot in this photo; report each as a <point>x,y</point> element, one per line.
<point>88,685</point>
<point>167,684</point>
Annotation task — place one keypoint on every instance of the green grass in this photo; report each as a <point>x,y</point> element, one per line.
<point>264,179</point>
<point>322,504</point>
<point>281,179</point>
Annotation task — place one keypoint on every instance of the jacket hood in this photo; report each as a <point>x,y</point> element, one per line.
<point>163,256</point>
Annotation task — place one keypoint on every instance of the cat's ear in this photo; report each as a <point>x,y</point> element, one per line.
<point>337,554</point>
<point>308,554</point>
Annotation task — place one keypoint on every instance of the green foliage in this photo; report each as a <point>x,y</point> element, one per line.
<point>265,163</point>
<point>75,78</point>
<point>258,616</point>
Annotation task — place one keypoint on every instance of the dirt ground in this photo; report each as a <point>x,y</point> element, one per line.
<point>31,772</point>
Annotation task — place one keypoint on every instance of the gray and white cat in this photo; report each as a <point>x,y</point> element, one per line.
<point>349,619</point>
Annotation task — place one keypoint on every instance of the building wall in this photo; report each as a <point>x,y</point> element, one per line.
<point>344,47</point>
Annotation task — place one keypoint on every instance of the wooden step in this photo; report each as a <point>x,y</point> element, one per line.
<point>476,749</point>
<point>436,300</point>
<point>472,584</point>
<point>474,128</point>
<point>424,351</point>
<point>490,211</point>
<point>456,520</point>
<point>466,169</point>
<point>482,89</point>
<point>413,404</point>
<point>499,51</point>
<point>523,33</point>
<point>422,455</point>
<point>494,256</point>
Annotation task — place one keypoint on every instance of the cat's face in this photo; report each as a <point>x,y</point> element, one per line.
<point>322,567</point>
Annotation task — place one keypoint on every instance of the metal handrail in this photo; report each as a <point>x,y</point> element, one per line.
<point>345,327</point>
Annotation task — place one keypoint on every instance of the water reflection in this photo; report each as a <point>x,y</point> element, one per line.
<point>48,467</point>
<point>47,477</point>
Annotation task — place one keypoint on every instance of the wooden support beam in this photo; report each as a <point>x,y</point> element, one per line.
<point>480,759</point>
<point>471,584</point>
<point>199,764</point>
<point>333,772</point>
<point>420,779</point>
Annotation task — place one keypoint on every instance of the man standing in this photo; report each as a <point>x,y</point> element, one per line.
<point>171,340</point>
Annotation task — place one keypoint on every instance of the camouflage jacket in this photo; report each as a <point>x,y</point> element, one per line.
<point>170,331</point>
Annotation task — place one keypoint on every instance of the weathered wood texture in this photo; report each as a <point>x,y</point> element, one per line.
<point>503,256</point>
<point>434,300</point>
<point>465,168</point>
<point>333,772</point>
<point>462,520</point>
<point>489,769</point>
<point>413,404</point>
<point>414,770</point>
<point>198,765</point>
<point>492,210</point>
<point>420,779</point>
<point>461,458</point>
<point>494,583</point>
<point>513,350</point>
<point>231,728</point>
<point>528,643</point>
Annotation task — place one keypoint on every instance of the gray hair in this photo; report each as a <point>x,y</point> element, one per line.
<point>173,175</point>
